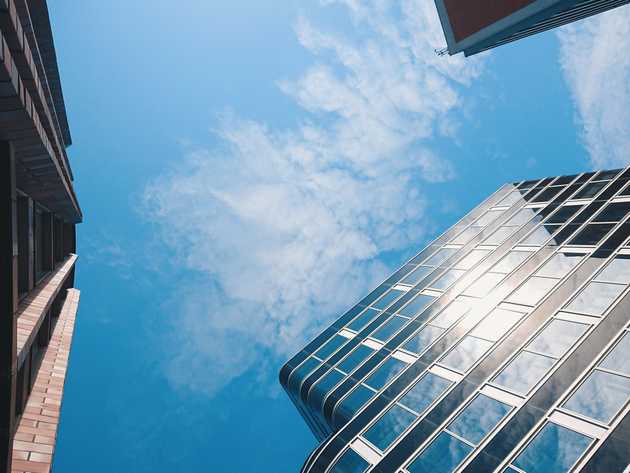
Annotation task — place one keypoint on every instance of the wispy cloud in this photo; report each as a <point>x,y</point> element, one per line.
<point>284,228</point>
<point>596,63</point>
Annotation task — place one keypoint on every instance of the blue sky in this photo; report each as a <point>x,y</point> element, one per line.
<point>247,170</point>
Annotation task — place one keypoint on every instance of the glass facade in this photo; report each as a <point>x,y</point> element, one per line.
<point>501,346</point>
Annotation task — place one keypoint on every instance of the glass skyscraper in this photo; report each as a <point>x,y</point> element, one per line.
<point>502,346</point>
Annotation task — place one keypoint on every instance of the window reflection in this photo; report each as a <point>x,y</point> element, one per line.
<point>423,339</point>
<point>595,298</point>
<point>417,305</point>
<point>424,392</point>
<point>440,256</point>
<point>443,455</point>
<point>484,285</point>
<point>540,235</point>
<point>355,358</point>
<point>510,262</point>
<point>350,462</point>
<point>554,449</point>
<point>384,373</point>
<point>592,234</point>
<point>557,337</point>
<point>601,396</point>
<point>389,427</point>
<point>466,353</point>
<point>618,270</point>
<point>479,418</point>
<point>389,328</point>
<point>532,291</point>
<point>388,298</point>
<point>560,265</point>
<point>330,346</point>
<point>352,403</point>
<point>451,314</point>
<point>499,236</point>
<point>524,372</point>
<point>447,279</point>
<point>363,319</point>
<point>417,275</point>
<point>471,259</point>
<point>617,359</point>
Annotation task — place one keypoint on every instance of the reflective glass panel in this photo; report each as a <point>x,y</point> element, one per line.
<point>387,299</point>
<point>564,214</point>
<point>554,450</point>
<point>607,175</point>
<point>466,353</point>
<point>618,270</point>
<point>595,298</point>
<point>510,199</point>
<point>424,392</point>
<point>389,328</point>
<point>488,217</point>
<point>300,373</point>
<point>350,462</point>
<point>451,314</point>
<point>617,359</point>
<point>417,275</point>
<point>417,305</point>
<point>557,337</point>
<point>522,217</point>
<point>443,455</point>
<point>484,285</point>
<point>601,396</point>
<point>479,418</point>
<point>532,291</point>
<point>389,427</point>
<point>448,278</point>
<point>548,194</point>
<point>541,235</point>
<point>590,190</point>
<point>559,265</point>
<point>324,386</point>
<point>467,235</point>
<point>511,261</point>
<point>496,324</point>
<point>363,319</point>
<point>613,212</point>
<point>499,236</point>
<point>591,234</point>
<point>330,346</point>
<point>524,372</point>
<point>384,373</point>
<point>423,339</point>
<point>440,256</point>
<point>471,259</point>
<point>355,358</point>
<point>353,402</point>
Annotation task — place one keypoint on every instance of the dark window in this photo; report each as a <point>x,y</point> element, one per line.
<point>592,234</point>
<point>417,275</point>
<point>350,462</point>
<point>362,320</point>
<point>590,190</point>
<point>613,212</point>
<point>355,358</point>
<point>564,179</point>
<point>417,305</point>
<point>43,243</point>
<point>443,455</point>
<point>389,328</point>
<point>353,402</point>
<point>564,214</point>
<point>548,194</point>
<point>330,346</point>
<point>24,248</point>
<point>387,299</point>
<point>607,175</point>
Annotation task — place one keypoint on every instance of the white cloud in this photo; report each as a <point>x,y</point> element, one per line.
<point>596,64</point>
<point>284,228</point>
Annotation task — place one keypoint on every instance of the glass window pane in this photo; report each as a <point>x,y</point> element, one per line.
<point>466,353</point>
<point>443,455</point>
<point>467,235</point>
<point>595,298</point>
<point>423,339</point>
<point>554,449</point>
<point>488,217</point>
<point>389,328</point>
<point>617,359</point>
<point>353,402</point>
<point>522,217</point>
<point>300,374</point>
<point>510,199</point>
<point>590,190</point>
<point>511,261</point>
<point>618,270</point>
<point>524,372</point>
<point>417,305</point>
<point>324,386</point>
<point>484,285</point>
<point>499,236</point>
<point>541,235</point>
<point>496,324</point>
<point>548,194</point>
<point>614,212</point>
<point>592,234</point>
<point>451,314</point>
<point>350,462</point>
<point>330,346</point>
<point>388,298</point>
<point>471,259</point>
<point>601,396</point>
<point>557,337</point>
<point>363,319</point>
<point>389,427</point>
<point>607,175</point>
<point>440,256</point>
<point>559,265</point>
<point>448,278</point>
<point>355,358</point>
<point>424,392</point>
<point>532,291</point>
<point>479,418</point>
<point>564,214</point>
<point>417,275</point>
<point>384,373</point>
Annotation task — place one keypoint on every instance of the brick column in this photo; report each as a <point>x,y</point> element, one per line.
<point>8,301</point>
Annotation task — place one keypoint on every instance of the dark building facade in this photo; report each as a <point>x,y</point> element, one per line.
<point>502,346</point>
<point>38,215</point>
<point>473,26</point>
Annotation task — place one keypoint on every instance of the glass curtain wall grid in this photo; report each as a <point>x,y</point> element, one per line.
<point>499,347</point>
